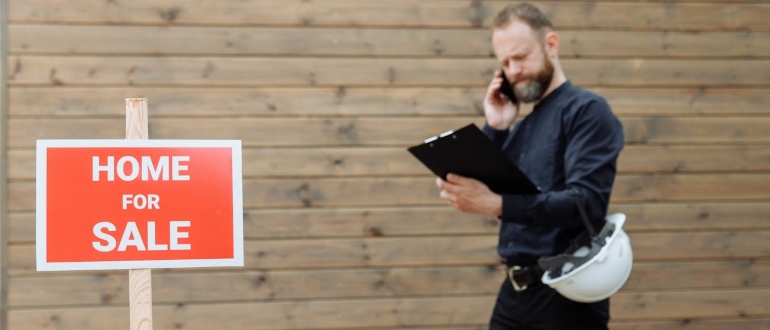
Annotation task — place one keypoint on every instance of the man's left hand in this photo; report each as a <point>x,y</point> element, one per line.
<point>469,195</point>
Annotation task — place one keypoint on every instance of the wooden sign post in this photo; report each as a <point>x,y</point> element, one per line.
<point>139,280</point>
<point>138,204</point>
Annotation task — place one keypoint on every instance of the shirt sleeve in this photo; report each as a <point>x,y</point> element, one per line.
<point>497,136</point>
<point>594,138</point>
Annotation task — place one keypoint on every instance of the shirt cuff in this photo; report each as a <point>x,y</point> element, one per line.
<point>495,135</point>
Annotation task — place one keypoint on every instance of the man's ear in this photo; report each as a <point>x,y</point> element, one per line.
<point>552,44</point>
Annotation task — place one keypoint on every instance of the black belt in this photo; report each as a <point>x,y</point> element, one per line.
<point>523,277</point>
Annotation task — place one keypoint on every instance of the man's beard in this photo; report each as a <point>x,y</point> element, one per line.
<point>533,89</point>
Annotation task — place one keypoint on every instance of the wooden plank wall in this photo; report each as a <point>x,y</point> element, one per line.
<point>343,229</point>
<point>3,166</point>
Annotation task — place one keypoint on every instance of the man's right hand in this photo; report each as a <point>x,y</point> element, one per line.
<point>500,112</point>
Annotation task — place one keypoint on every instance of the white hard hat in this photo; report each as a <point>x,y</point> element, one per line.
<point>593,268</point>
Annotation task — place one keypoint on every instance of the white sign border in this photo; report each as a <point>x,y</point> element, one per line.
<point>41,203</point>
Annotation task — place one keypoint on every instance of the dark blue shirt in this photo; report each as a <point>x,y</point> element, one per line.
<point>571,140</point>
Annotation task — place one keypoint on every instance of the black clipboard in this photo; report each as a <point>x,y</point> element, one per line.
<point>470,153</point>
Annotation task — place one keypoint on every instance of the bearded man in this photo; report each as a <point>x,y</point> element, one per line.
<point>568,146</point>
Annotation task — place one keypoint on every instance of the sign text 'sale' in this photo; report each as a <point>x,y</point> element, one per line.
<point>122,204</point>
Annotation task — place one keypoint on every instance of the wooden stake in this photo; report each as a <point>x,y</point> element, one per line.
<point>140,298</point>
<point>139,280</point>
<point>136,119</point>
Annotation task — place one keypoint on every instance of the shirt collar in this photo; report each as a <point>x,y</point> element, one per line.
<point>554,94</point>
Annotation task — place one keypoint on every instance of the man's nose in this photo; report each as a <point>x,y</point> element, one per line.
<point>513,70</point>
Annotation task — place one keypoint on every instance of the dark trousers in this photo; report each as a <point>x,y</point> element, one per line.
<point>539,307</point>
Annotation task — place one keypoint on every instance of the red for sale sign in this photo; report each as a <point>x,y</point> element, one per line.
<point>127,204</point>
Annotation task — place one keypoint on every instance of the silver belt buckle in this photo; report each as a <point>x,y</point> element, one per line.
<point>516,286</point>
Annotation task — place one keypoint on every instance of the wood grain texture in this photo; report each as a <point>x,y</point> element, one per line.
<point>440,220</point>
<point>448,251</point>
<point>314,132</point>
<point>422,191</point>
<point>257,102</point>
<point>401,13</point>
<point>286,315</point>
<point>137,122</point>
<point>322,71</point>
<point>313,41</point>
<point>669,217</point>
<point>735,324</point>
<point>187,102</point>
<point>4,226</point>
<point>140,299</point>
<point>341,314</point>
<point>139,280</point>
<point>207,287</point>
<point>395,161</point>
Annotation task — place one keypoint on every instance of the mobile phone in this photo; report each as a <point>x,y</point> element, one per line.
<point>506,89</point>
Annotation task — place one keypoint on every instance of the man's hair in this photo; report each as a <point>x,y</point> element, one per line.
<point>526,13</point>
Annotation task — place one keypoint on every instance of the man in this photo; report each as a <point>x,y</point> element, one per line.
<point>568,146</point>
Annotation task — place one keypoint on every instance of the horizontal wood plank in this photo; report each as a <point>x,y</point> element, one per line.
<point>442,220</point>
<point>300,41</point>
<point>259,286</point>
<point>252,131</point>
<point>351,101</point>
<point>700,245</point>
<point>700,324</point>
<point>388,161</point>
<point>705,275</point>
<point>691,304</point>
<point>272,316</point>
<point>230,71</point>
<point>693,216</point>
<point>341,314</point>
<point>322,71</point>
<point>443,327</point>
<point>259,102</point>
<point>417,191</point>
<point>453,250</point>
<point>669,44</point>
<point>680,130</point>
<point>400,132</point>
<point>680,101</point>
<point>400,13</point>
<point>444,251</point>
<point>732,324</point>
<point>694,159</point>
<point>245,286</point>
<point>717,187</point>
<point>340,253</point>
<point>310,41</point>
<point>330,222</point>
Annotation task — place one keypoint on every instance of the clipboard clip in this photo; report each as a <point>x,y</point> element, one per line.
<point>434,138</point>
